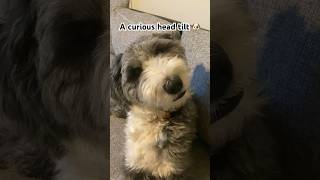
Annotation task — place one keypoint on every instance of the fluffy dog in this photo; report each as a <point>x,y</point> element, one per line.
<point>53,87</point>
<point>153,77</point>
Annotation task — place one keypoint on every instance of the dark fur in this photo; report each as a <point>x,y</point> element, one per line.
<point>242,139</point>
<point>247,148</point>
<point>135,175</point>
<point>53,80</point>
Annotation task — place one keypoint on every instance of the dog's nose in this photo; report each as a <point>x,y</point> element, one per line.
<point>173,85</point>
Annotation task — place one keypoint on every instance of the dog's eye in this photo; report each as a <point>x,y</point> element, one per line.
<point>133,73</point>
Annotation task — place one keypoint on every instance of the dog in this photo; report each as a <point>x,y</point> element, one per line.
<point>54,88</point>
<point>153,77</point>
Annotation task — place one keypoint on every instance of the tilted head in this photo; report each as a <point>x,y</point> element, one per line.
<point>154,72</point>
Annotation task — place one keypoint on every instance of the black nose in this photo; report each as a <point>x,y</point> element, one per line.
<point>173,85</point>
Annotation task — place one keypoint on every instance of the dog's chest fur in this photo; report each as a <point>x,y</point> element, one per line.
<point>158,142</point>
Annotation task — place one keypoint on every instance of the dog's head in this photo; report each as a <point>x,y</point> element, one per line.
<point>153,72</point>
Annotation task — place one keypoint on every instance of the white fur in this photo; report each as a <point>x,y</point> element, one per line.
<point>156,70</point>
<point>144,130</point>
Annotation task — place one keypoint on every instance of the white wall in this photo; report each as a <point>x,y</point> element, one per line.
<point>188,11</point>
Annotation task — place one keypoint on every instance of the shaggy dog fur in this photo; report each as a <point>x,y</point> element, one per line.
<point>243,144</point>
<point>53,85</point>
<point>153,77</point>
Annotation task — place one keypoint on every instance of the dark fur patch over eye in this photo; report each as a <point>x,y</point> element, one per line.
<point>133,73</point>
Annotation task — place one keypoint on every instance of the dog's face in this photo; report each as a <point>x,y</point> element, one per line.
<point>155,73</point>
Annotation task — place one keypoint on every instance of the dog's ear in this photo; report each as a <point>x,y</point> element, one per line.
<point>116,69</point>
<point>116,76</point>
<point>118,102</point>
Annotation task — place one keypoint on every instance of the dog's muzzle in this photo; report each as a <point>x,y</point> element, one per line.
<point>173,85</point>
<point>180,95</point>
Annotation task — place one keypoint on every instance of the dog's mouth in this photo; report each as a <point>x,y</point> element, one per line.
<point>180,95</point>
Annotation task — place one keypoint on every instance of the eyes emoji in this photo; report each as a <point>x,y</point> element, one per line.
<point>196,26</point>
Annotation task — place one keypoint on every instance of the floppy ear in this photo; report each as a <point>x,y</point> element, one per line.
<point>118,102</point>
<point>116,70</point>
